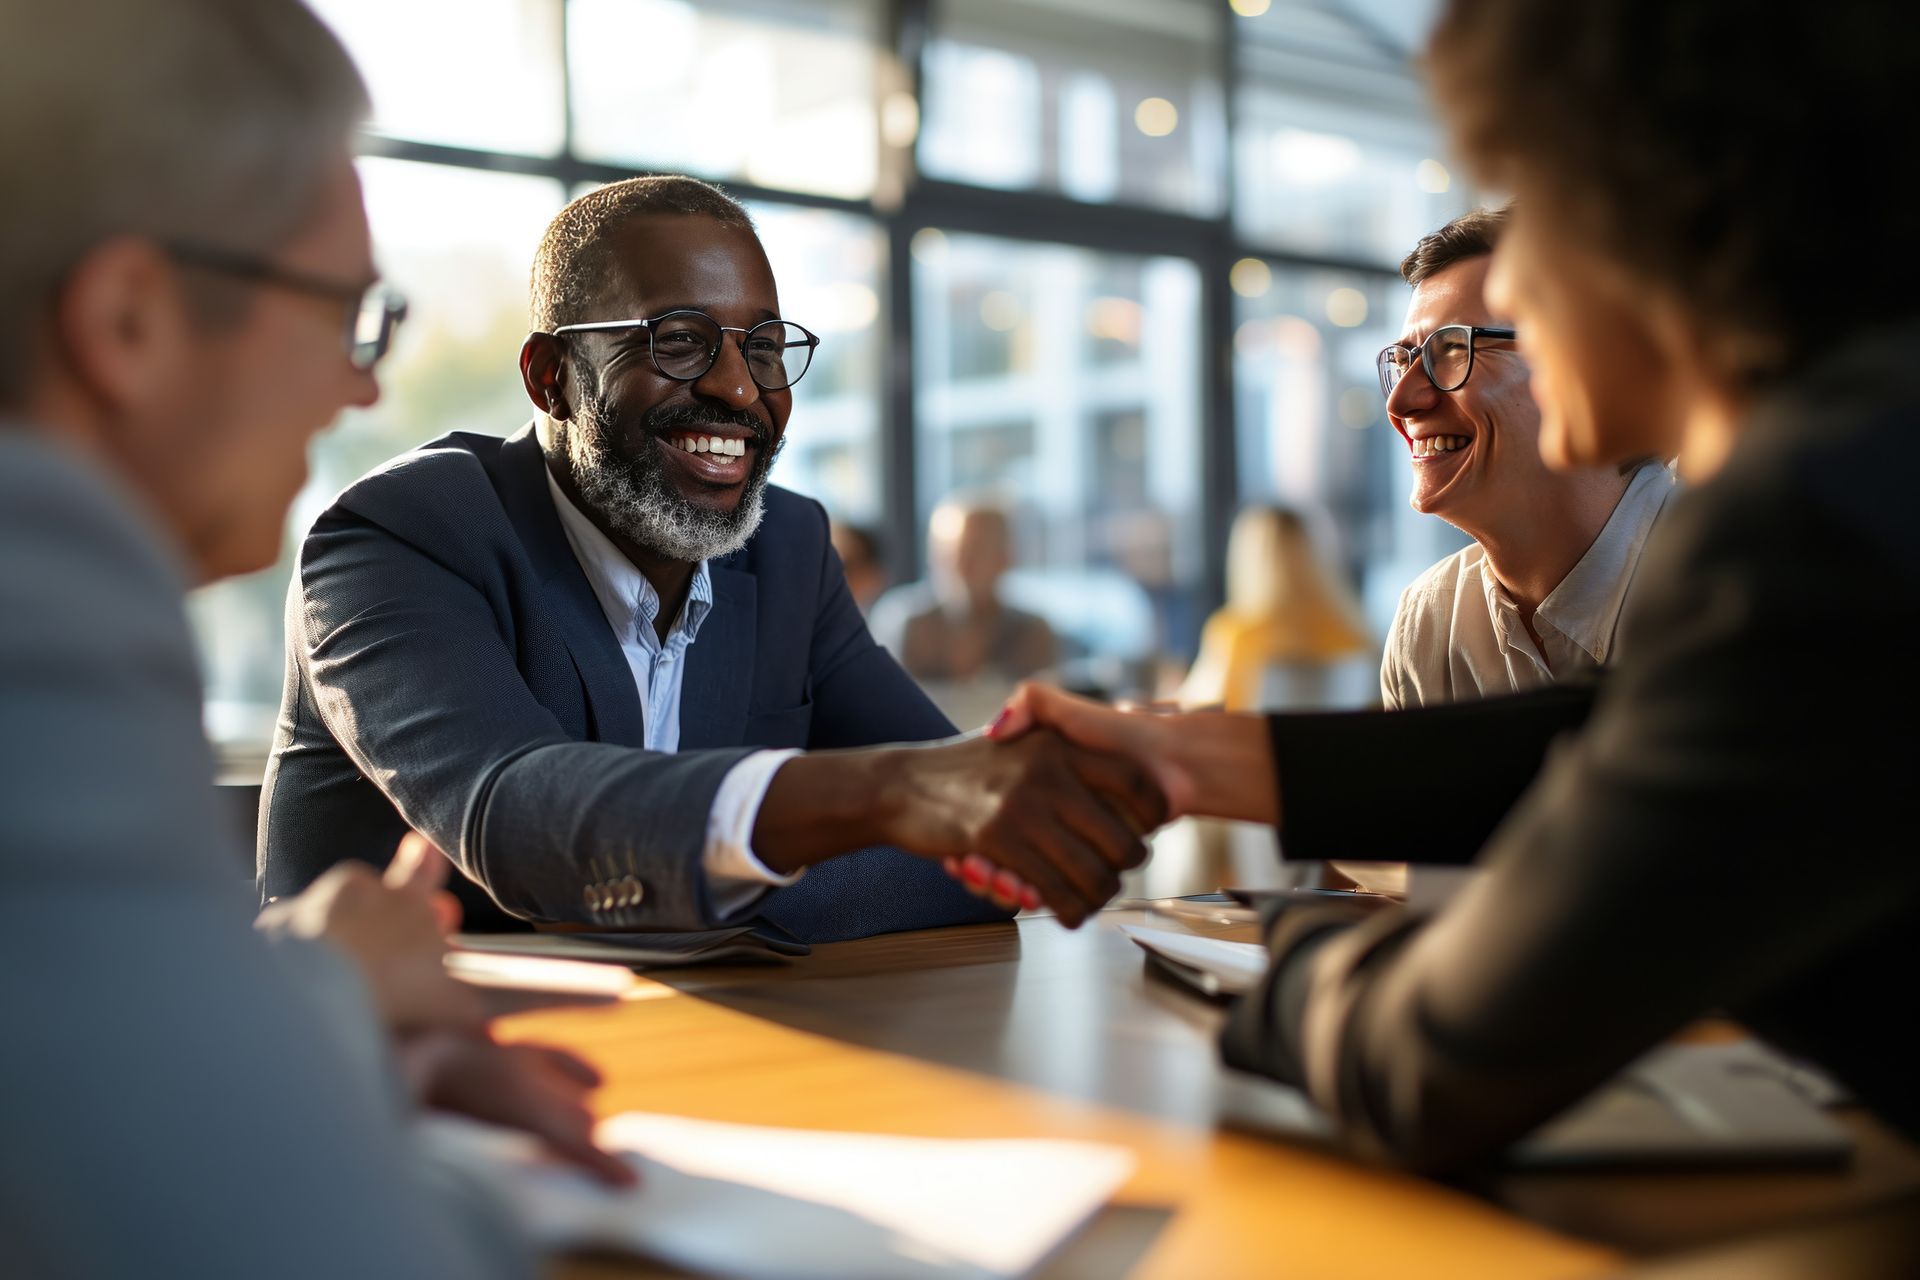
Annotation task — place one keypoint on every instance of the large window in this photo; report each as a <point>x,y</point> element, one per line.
<point>1063,385</point>
<point>782,96</point>
<point>1115,101</point>
<point>1118,264</point>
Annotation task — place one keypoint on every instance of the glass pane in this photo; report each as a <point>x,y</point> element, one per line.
<point>455,368</point>
<point>1114,102</point>
<point>780,95</point>
<point>1312,425</point>
<point>490,77</point>
<point>1321,180</point>
<point>1062,385</point>
<point>829,268</point>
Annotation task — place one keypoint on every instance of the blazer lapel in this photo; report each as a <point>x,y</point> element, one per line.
<point>604,672</point>
<point>720,664</point>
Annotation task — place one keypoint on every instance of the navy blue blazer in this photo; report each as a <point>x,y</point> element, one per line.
<point>449,669</point>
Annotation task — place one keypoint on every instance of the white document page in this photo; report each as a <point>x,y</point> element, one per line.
<point>1236,966</point>
<point>743,1200</point>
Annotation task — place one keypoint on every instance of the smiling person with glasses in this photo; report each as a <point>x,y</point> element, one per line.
<point>1538,596</point>
<point>602,662</point>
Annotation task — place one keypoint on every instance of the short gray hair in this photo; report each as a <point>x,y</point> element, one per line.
<point>188,120</point>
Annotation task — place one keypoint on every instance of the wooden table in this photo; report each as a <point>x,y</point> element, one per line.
<point>1025,1029</point>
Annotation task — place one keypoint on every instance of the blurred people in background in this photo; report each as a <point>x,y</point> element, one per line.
<point>1285,614</point>
<point>860,555</point>
<point>1538,596</point>
<point>953,632</point>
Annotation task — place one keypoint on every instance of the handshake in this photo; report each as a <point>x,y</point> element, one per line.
<point>1047,807</point>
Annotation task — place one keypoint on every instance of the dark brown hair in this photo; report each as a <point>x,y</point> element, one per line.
<point>1750,165</point>
<point>1471,235</point>
<point>572,257</point>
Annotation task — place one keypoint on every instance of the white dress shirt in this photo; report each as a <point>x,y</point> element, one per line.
<point>735,877</point>
<point>1457,633</point>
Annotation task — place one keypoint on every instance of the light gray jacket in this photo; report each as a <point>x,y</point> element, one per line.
<point>178,1095</point>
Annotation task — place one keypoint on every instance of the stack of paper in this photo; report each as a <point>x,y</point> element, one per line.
<point>742,1200</point>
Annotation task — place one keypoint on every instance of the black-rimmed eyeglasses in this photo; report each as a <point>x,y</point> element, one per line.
<point>1446,355</point>
<point>374,311</point>
<point>685,344</point>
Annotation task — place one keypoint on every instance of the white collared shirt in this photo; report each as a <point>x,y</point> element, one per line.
<point>1458,635</point>
<point>735,877</point>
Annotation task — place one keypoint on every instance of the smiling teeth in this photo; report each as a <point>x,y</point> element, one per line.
<point>1433,446</point>
<point>714,444</point>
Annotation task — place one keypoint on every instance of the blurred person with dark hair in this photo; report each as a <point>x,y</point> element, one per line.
<point>1538,596</point>
<point>1686,282</point>
<point>187,296</point>
<point>642,653</point>
<point>860,558</point>
<point>1284,609</point>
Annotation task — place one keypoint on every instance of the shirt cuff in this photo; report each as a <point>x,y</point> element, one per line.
<point>735,877</point>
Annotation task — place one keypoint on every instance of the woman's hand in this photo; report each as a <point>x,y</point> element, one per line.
<point>1149,738</point>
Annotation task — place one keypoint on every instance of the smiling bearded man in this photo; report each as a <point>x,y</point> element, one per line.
<point>597,661</point>
<point>1538,597</point>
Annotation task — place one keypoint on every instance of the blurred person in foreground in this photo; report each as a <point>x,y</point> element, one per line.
<point>1537,598</point>
<point>1684,267</point>
<point>187,296</point>
<point>605,665</point>
<point>955,627</point>
<point>859,550</point>
<point>1284,610</point>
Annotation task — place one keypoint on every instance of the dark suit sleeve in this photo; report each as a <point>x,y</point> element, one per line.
<point>1666,863</point>
<point>1357,784</point>
<point>413,672</point>
<point>861,697</point>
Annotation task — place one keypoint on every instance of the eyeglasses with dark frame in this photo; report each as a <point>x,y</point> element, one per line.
<point>1446,355</point>
<point>685,344</point>
<point>374,311</point>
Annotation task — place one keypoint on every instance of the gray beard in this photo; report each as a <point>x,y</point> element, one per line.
<point>637,500</point>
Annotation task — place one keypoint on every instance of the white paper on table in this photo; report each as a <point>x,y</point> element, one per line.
<point>1236,966</point>
<point>743,1200</point>
<point>540,973</point>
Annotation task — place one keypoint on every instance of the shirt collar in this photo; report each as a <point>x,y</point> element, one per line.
<point>1585,607</point>
<point>626,597</point>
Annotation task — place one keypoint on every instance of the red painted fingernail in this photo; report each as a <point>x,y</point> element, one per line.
<point>974,871</point>
<point>999,722</point>
<point>1009,885</point>
<point>1030,899</point>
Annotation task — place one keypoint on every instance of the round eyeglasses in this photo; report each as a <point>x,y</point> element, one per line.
<point>374,311</point>
<point>685,344</point>
<point>1446,355</point>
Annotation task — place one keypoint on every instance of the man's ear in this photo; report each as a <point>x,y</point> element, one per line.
<point>121,323</point>
<point>543,372</point>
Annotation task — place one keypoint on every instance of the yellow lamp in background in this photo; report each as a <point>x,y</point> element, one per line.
<point>1347,308</point>
<point>1250,8</point>
<point>1250,278</point>
<point>1432,177</point>
<point>929,245</point>
<point>1156,117</point>
<point>1001,311</point>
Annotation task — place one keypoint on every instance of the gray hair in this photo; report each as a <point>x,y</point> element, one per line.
<point>190,120</point>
